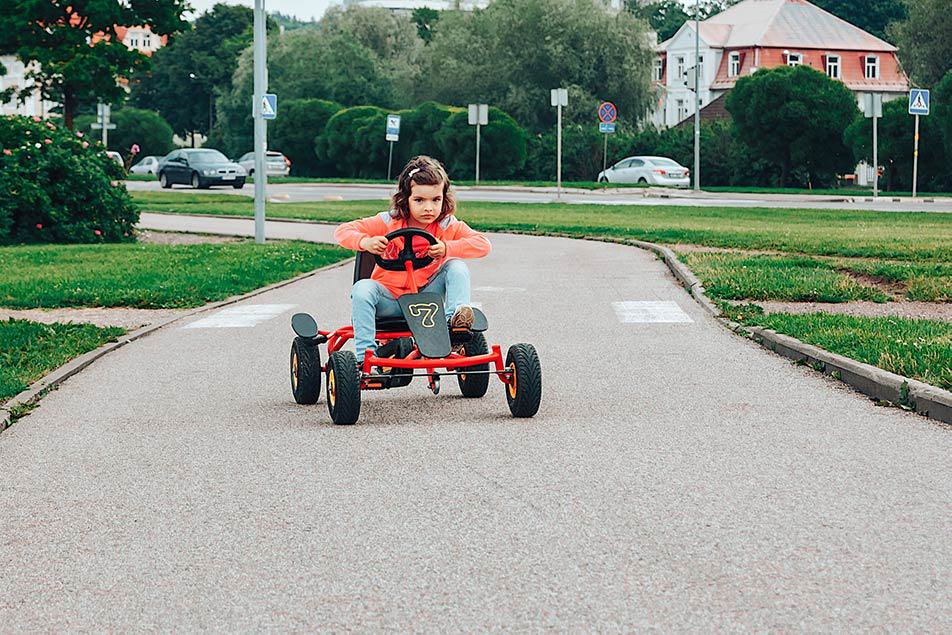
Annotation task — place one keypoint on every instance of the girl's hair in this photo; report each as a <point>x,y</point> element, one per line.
<point>422,170</point>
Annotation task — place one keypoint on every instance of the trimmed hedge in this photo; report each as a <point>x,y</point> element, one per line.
<point>59,187</point>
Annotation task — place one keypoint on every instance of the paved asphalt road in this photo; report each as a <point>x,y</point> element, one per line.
<point>676,478</point>
<point>298,192</point>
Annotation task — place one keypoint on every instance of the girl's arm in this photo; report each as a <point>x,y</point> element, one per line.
<point>462,241</point>
<point>350,234</point>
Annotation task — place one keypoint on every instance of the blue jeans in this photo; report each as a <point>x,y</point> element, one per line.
<point>369,300</point>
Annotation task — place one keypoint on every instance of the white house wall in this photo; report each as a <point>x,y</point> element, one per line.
<point>682,46</point>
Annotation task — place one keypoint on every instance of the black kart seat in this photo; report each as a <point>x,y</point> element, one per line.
<point>392,324</point>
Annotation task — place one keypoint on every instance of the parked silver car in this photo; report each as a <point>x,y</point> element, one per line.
<point>148,165</point>
<point>278,164</point>
<point>115,156</point>
<point>647,171</point>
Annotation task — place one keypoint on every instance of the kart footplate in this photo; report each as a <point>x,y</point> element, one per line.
<point>426,317</point>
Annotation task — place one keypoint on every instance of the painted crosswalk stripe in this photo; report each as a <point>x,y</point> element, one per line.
<point>650,312</point>
<point>241,316</point>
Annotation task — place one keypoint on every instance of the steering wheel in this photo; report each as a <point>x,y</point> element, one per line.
<point>406,254</point>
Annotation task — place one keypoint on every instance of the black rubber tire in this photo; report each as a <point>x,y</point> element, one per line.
<point>343,388</point>
<point>400,377</point>
<point>603,180</point>
<point>305,371</point>
<point>164,181</point>
<point>197,181</point>
<point>238,184</point>
<point>475,386</point>
<point>525,394</point>
<point>643,181</point>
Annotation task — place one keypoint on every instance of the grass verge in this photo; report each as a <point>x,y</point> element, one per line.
<point>905,236</point>
<point>147,275</point>
<point>29,350</point>
<point>920,349</point>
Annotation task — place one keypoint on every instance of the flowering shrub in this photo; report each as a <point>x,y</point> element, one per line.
<point>58,186</point>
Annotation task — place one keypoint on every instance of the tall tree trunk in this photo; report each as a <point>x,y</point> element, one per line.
<point>69,106</point>
<point>784,171</point>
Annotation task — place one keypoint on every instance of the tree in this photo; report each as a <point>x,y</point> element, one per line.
<point>870,15</point>
<point>665,17</point>
<point>942,119</point>
<point>895,138</point>
<point>502,146</point>
<point>77,56</point>
<point>425,20</point>
<point>513,52</point>
<point>200,63</point>
<point>295,131</point>
<point>925,40</point>
<point>133,125</point>
<point>794,116</point>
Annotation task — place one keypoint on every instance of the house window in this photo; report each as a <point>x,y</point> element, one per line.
<point>658,70</point>
<point>682,111</point>
<point>794,59</point>
<point>134,42</point>
<point>872,67</point>
<point>700,66</point>
<point>733,66</point>
<point>833,66</point>
<point>680,68</point>
<point>146,41</point>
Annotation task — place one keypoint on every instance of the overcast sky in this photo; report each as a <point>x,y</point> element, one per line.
<point>304,9</point>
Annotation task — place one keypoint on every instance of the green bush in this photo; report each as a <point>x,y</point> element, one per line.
<point>502,146</point>
<point>133,125</point>
<point>418,129</point>
<point>59,187</point>
<point>294,133</point>
<point>353,141</point>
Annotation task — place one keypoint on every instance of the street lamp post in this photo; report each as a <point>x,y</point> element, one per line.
<point>193,76</point>
<point>697,96</point>
<point>261,130</point>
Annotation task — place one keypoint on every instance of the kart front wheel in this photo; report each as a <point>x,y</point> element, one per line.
<point>524,388</point>
<point>343,388</point>
<point>474,385</point>
<point>305,371</point>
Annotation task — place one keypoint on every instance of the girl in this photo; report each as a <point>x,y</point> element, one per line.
<point>423,200</point>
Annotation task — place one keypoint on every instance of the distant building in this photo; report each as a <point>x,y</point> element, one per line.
<point>407,6</point>
<point>758,34</point>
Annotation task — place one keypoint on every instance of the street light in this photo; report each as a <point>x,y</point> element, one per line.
<point>195,77</point>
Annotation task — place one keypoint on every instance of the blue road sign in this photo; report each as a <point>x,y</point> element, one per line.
<point>607,113</point>
<point>269,106</point>
<point>607,128</point>
<point>918,101</point>
<point>393,127</point>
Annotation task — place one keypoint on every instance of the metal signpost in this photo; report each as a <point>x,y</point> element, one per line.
<point>559,99</point>
<point>918,105</point>
<point>393,134</point>
<point>478,116</point>
<point>697,96</point>
<point>607,113</point>
<point>259,102</point>
<point>102,122</point>
<point>874,110</point>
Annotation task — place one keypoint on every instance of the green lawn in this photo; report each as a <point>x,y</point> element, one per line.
<point>29,350</point>
<point>921,349</point>
<point>148,275</point>
<point>896,236</point>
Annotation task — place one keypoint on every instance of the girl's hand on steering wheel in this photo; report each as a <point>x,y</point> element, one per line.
<point>374,244</point>
<point>437,251</point>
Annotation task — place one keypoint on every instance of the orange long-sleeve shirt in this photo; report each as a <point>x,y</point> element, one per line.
<point>460,239</point>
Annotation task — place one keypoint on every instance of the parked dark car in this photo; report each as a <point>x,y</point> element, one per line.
<point>200,168</point>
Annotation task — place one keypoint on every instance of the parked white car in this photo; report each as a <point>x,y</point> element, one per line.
<point>115,156</point>
<point>148,165</point>
<point>278,164</point>
<point>647,171</point>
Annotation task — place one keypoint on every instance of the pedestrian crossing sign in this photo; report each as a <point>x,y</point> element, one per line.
<point>269,106</point>
<point>918,101</point>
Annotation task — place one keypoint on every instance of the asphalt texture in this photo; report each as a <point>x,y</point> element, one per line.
<point>676,478</point>
<point>301,192</point>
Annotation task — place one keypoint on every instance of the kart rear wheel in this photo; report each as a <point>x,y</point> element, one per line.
<point>524,389</point>
<point>305,371</point>
<point>474,385</point>
<point>343,388</point>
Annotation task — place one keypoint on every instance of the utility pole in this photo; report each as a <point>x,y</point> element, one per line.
<point>559,98</point>
<point>103,112</point>
<point>697,96</point>
<point>261,127</point>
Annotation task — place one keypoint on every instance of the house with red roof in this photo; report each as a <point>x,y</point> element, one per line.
<point>756,34</point>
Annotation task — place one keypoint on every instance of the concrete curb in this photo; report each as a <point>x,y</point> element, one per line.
<point>877,383</point>
<point>57,376</point>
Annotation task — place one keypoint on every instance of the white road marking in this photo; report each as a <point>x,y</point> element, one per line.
<point>650,312</point>
<point>241,316</point>
<point>499,289</point>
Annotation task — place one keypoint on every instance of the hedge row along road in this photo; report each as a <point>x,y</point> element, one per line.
<point>676,477</point>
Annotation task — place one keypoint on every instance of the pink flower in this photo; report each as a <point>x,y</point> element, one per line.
<point>50,126</point>
<point>47,141</point>
<point>114,183</point>
<point>79,134</point>
<point>85,144</point>
<point>97,232</point>
<point>39,225</point>
<point>125,233</point>
<point>35,118</point>
<point>7,152</point>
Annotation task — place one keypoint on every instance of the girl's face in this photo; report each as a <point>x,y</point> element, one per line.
<point>426,203</point>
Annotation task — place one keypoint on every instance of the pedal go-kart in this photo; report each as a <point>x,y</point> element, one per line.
<point>417,345</point>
